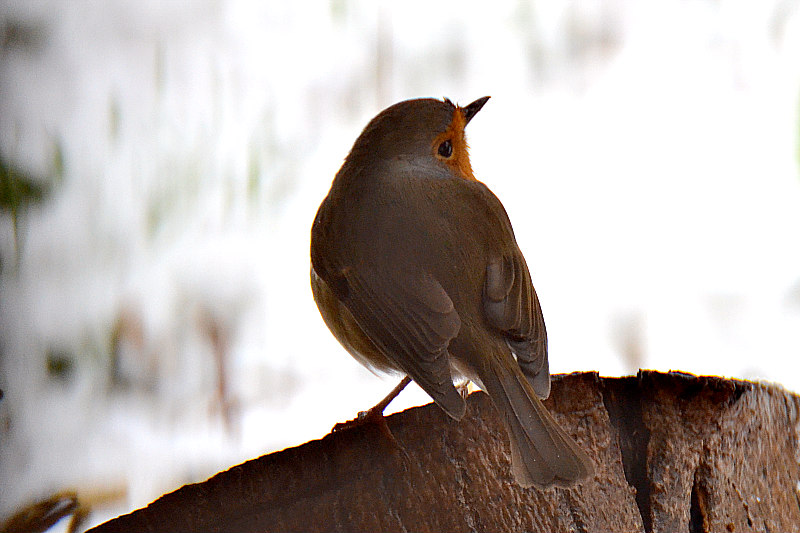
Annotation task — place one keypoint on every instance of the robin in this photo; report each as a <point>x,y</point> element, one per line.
<point>415,270</point>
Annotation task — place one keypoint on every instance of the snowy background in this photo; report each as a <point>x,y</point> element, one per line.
<point>156,320</point>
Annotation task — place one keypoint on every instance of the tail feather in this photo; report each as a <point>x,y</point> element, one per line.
<point>542,454</point>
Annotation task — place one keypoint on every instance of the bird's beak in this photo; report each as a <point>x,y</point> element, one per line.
<point>472,109</point>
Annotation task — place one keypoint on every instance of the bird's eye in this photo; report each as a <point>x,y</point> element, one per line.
<point>446,149</point>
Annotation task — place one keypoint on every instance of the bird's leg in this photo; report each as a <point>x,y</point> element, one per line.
<point>374,414</point>
<point>383,404</point>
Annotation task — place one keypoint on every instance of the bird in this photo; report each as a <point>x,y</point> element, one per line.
<point>415,270</point>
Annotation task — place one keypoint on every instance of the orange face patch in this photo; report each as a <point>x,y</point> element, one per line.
<point>458,161</point>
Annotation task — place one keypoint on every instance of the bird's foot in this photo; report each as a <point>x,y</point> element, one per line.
<point>464,387</point>
<point>375,414</point>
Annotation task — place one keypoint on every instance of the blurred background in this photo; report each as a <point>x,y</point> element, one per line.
<point>162,163</point>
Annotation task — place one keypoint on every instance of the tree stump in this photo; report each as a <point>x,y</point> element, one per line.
<point>673,452</point>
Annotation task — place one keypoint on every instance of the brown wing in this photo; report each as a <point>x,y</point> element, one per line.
<point>511,305</point>
<point>410,318</point>
<point>364,246</point>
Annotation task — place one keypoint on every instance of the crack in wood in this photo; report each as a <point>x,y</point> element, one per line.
<point>698,510</point>
<point>622,399</point>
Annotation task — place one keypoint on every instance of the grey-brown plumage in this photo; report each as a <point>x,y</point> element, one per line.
<point>415,269</point>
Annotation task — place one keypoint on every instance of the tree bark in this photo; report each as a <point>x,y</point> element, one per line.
<point>673,452</point>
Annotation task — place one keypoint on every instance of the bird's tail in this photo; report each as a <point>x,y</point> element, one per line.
<point>542,454</point>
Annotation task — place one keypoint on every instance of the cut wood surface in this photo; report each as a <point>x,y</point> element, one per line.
<point>672,451</point>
